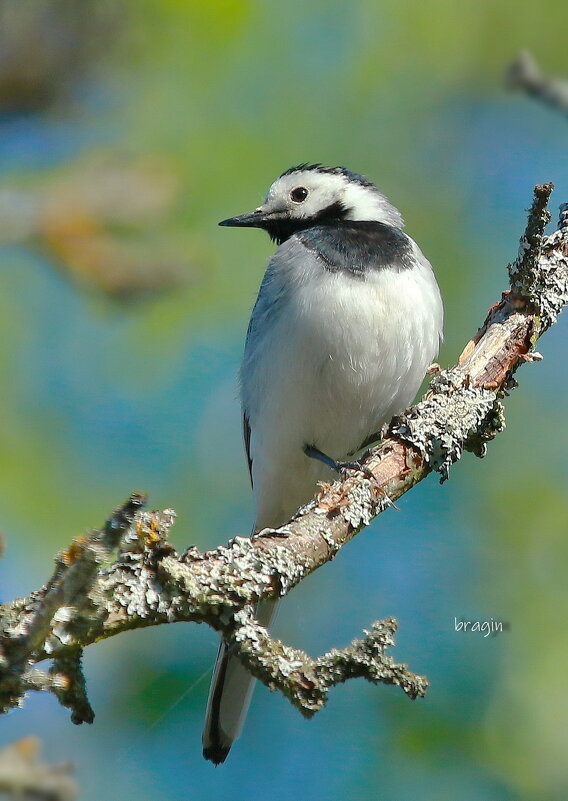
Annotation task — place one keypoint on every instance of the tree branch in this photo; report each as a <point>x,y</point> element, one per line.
<point>90,597</point>
<point>525,75</point>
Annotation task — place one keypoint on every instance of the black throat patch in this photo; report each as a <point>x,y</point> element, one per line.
<point>282,229</point>
<point>359,246</point>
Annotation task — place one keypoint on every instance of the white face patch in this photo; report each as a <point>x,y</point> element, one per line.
<point>324,190</point>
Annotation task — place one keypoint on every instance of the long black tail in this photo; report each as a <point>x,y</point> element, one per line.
<point>229,696</point>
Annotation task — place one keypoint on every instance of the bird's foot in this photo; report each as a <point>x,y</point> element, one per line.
<point>343,468</point>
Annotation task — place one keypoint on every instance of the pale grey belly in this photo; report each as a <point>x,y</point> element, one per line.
<point>329,374</point>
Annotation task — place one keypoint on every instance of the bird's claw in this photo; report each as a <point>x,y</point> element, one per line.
<point>345,468</point>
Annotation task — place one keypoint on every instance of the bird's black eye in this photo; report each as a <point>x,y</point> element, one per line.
<point>299,194</point>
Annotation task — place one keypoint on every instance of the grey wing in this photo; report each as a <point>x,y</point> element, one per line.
<point>258,311</point>
<point>271,297</point>
<point>286,269</point>
<point>245,375</point>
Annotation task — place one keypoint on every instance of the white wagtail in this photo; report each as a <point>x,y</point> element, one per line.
<point>347,320</point>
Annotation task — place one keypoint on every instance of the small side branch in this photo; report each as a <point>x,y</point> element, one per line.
<point>306,681</point>
<point>525,75</point>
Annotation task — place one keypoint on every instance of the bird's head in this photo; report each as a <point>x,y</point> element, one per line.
<point>310,195</point>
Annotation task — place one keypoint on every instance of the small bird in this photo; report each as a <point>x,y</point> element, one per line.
<point>347,320</point>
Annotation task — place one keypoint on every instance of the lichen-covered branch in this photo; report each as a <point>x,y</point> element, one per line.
<point>27,625</point>
<point>91,597</point>
<point>306,681</point>
<point>524,74</point>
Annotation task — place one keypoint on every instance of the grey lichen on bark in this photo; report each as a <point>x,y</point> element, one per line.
<point>453,417</point>
<point>538,275</point>
<point>306,681</point>
<point>127,575</point>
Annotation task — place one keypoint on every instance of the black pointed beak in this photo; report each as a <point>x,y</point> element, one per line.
<point>253,219</point>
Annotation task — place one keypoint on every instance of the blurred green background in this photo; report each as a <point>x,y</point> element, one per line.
<point>127,130</point>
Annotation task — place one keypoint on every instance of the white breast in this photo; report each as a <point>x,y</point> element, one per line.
<point>330,357</point>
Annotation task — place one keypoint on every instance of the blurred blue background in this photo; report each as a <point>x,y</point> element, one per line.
<point>126,132</point>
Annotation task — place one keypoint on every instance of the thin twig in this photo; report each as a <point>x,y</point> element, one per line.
<point>525,75</point>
